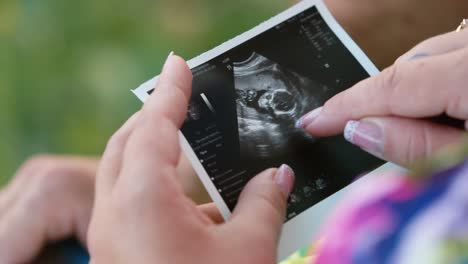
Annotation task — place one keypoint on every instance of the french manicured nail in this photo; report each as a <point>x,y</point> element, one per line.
<point>366,135</point>
<point>308,118</point>
<point>285,179</point>
<point>167,59</point>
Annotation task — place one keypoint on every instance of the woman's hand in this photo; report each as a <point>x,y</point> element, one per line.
<point>385,115</point>
<point>49,199</point>
<point>141,214</point>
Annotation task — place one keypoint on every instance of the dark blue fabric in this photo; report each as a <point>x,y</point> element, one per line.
<point>67,252</point>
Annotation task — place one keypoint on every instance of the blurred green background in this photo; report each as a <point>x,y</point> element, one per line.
<point>67,67</point>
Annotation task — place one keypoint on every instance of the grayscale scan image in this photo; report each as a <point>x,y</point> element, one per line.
<point>246,101</point>
<point>269,99</point>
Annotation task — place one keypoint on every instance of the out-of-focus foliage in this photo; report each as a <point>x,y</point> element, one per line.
<point>67,67</point>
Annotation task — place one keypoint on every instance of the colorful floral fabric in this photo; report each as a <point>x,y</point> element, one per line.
<point>400,219</point>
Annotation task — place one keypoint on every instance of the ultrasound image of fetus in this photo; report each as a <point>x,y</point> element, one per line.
<point>270,98</point>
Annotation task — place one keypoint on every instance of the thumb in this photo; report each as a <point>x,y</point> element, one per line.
<point>400,140</point>
<point>262,204</point>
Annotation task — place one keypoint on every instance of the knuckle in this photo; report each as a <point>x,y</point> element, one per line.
<point>119,138</point>
<point>138,196</point>
<point>50,178</point>
<point>39,198</point>
<point>418,144</point>
<point>265,192</point>
<point>409,154</point>
<point>173,99</point>
<point>123,202</point>
<point>390,77</point>
<point>163,142</point>
<point>389,82</point>
<point>272,199</point>
<point>49,183</point>
<point>44,166</point>
<point>168,114</point>
<point>416,148</point>
<point>46,184</point>
<point>268,199</point>
<point>116,141</point>
<point>38,161</point>
<point>163,115</point>
<point>457,106</point>
<point>425,143</point>
<point>179,91</point>
<point>130,200</point>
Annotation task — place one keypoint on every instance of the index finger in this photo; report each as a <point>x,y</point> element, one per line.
<point>152,151</point>
<point>416,89</point>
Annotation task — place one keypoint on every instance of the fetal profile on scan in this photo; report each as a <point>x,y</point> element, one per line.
<point>270,98</point>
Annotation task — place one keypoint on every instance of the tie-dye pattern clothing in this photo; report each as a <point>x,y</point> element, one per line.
<point>406,220</point>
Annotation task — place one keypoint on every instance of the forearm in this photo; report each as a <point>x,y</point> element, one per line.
<point>387,29</point>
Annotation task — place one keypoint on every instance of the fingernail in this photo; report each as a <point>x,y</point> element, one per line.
<point>308,118</point>
<point>285,179</point>
<point>366,135</point>
<point>167,59</point>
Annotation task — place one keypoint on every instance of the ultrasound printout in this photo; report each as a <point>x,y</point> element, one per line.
<point>246,101</point>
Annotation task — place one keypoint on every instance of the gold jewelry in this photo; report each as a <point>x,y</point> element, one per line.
<point>463,25</point>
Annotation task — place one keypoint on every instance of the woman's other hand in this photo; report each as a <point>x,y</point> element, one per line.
<point>49,199</point>
<point>386,115</point>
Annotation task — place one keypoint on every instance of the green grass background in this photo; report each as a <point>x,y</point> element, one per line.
<point>67,67</point>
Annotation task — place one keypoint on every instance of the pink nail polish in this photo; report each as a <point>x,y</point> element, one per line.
<point>366,135</point>
<point>308,118</point>
<point>285,179</point>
